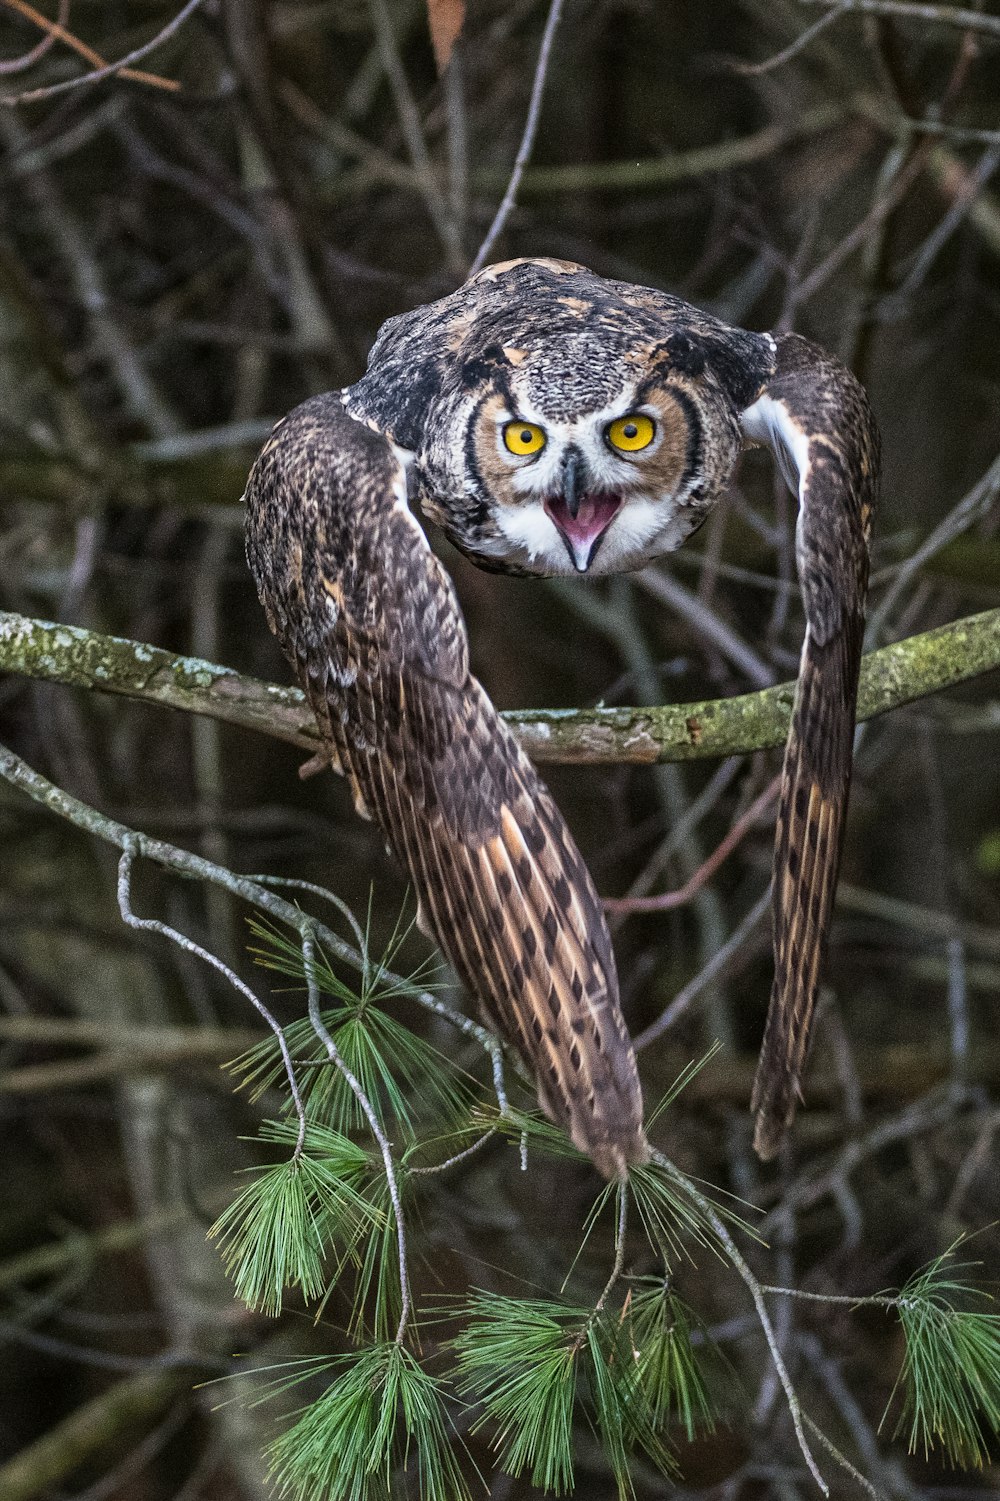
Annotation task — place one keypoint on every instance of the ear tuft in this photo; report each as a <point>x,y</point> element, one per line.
<point>685,356</point>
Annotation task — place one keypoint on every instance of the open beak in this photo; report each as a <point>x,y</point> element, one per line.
<point>580,514</point>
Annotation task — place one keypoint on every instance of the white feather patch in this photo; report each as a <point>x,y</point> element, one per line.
<point>529,527</point>
<point>769,421</point>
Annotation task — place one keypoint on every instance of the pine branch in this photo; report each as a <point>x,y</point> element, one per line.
<point>195,867</point>
<point>895,675</point>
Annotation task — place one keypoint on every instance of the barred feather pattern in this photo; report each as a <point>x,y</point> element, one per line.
<point>372,627</point>
<point>825,435</point>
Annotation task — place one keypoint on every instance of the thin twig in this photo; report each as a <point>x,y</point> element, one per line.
<point>850,1412</point>
<point>195,867</point>
<point>289,882</point>
<point>937,1108</point>
<point>638,175</point>
<point>706,623</point>
<point>320,1028</point>
<point>841,1459</point>
<point>801,42</point>
<point>36,53</point>
<point>123,65</point>
<point>152,925</point>
<point>442,1167</point>
<point>900,185</point>
<point>699,807</point>
<point>690,992</point>
<point>973,507</point>
<point>894,303</point>
<point>945,15</point>
<point>527,139</point>
<point>409,120</point>
<point>863,1300</point>
<point>620,1229</point>
<point>626,906</point>
<point>57,32</point>
<point>957,134</point>
<point>86,276</point>
<point>457,121</point>
<point>757,1294</point>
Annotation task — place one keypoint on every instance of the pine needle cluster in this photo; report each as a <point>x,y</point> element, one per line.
<point>950,1380</point>
<point>381,1414</point>
<point>383,1114</point>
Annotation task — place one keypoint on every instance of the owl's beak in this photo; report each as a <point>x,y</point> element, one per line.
<point>580,515</point>
<point>573,475</point>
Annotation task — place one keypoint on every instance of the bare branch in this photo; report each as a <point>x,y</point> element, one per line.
<point>801,42</point>
<point>107,69</point>
<point>527,139</point>
<point>710,971</point>
<point>28,59</point>
<point>674,167</point>
<point>195,867</point>
<point>152,925</point>
<point>409,120</point>
<point>757,1295</point>
<point>667,901</point>
<point>943,15</point>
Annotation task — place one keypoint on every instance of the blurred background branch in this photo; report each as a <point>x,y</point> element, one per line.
<point>180,266</point>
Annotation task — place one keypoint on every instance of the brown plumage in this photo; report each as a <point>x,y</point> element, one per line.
<point>370,622</point>
<point>823,429</point>
<point>558,361</point>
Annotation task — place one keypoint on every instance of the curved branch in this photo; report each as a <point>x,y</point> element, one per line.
<point>894,675</point>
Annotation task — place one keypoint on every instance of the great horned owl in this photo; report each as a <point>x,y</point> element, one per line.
<point>554,422</point>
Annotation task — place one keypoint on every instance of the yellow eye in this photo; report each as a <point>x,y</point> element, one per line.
<point>632,432</point>
<point>523,438</point>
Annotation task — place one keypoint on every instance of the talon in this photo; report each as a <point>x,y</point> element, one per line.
<point>319,762</point>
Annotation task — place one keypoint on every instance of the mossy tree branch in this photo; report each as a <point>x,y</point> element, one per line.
<point>895,675</point>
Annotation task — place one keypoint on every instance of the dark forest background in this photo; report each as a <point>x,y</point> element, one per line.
<point>180,267</point>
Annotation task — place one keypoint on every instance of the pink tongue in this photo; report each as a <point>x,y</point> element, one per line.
<point>594,516</point>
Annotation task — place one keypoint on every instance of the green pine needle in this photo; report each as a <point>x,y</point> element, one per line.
<point>528,1361</point>
<point>669,1216</point>
<point>687,1073</point>
<point>609,1410</point>
<point>380,1413</point>
<point>951,1371</point>
<point>537,1128</point>
<point>378,1299</point>
<point>401,1073</point>
<point>519,1357</point>
<point>280,1230</point>
<point>624,1416</point>
<point>660,1326</point>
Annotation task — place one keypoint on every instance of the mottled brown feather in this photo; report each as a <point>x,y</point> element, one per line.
<point>370,622</point>
<point>826,408</point>
<point>414,733</point>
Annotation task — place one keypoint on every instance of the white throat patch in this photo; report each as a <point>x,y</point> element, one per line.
<point>640,531</point>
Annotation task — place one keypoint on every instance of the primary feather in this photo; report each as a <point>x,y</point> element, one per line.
<point>371,624</point>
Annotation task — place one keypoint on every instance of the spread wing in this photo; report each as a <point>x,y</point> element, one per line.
<point>370,622</point>
<point>816,418</point>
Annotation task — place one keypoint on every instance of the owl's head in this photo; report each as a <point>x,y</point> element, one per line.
<point>582,486</point>
<point>561,423</point>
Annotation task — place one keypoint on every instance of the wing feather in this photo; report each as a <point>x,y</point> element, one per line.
<point>370,622</point>
<point>816,417</point>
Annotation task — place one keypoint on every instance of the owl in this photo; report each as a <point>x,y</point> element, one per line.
<point>554,422</point>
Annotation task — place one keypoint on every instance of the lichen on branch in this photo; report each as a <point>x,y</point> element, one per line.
<point>895,675</point>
